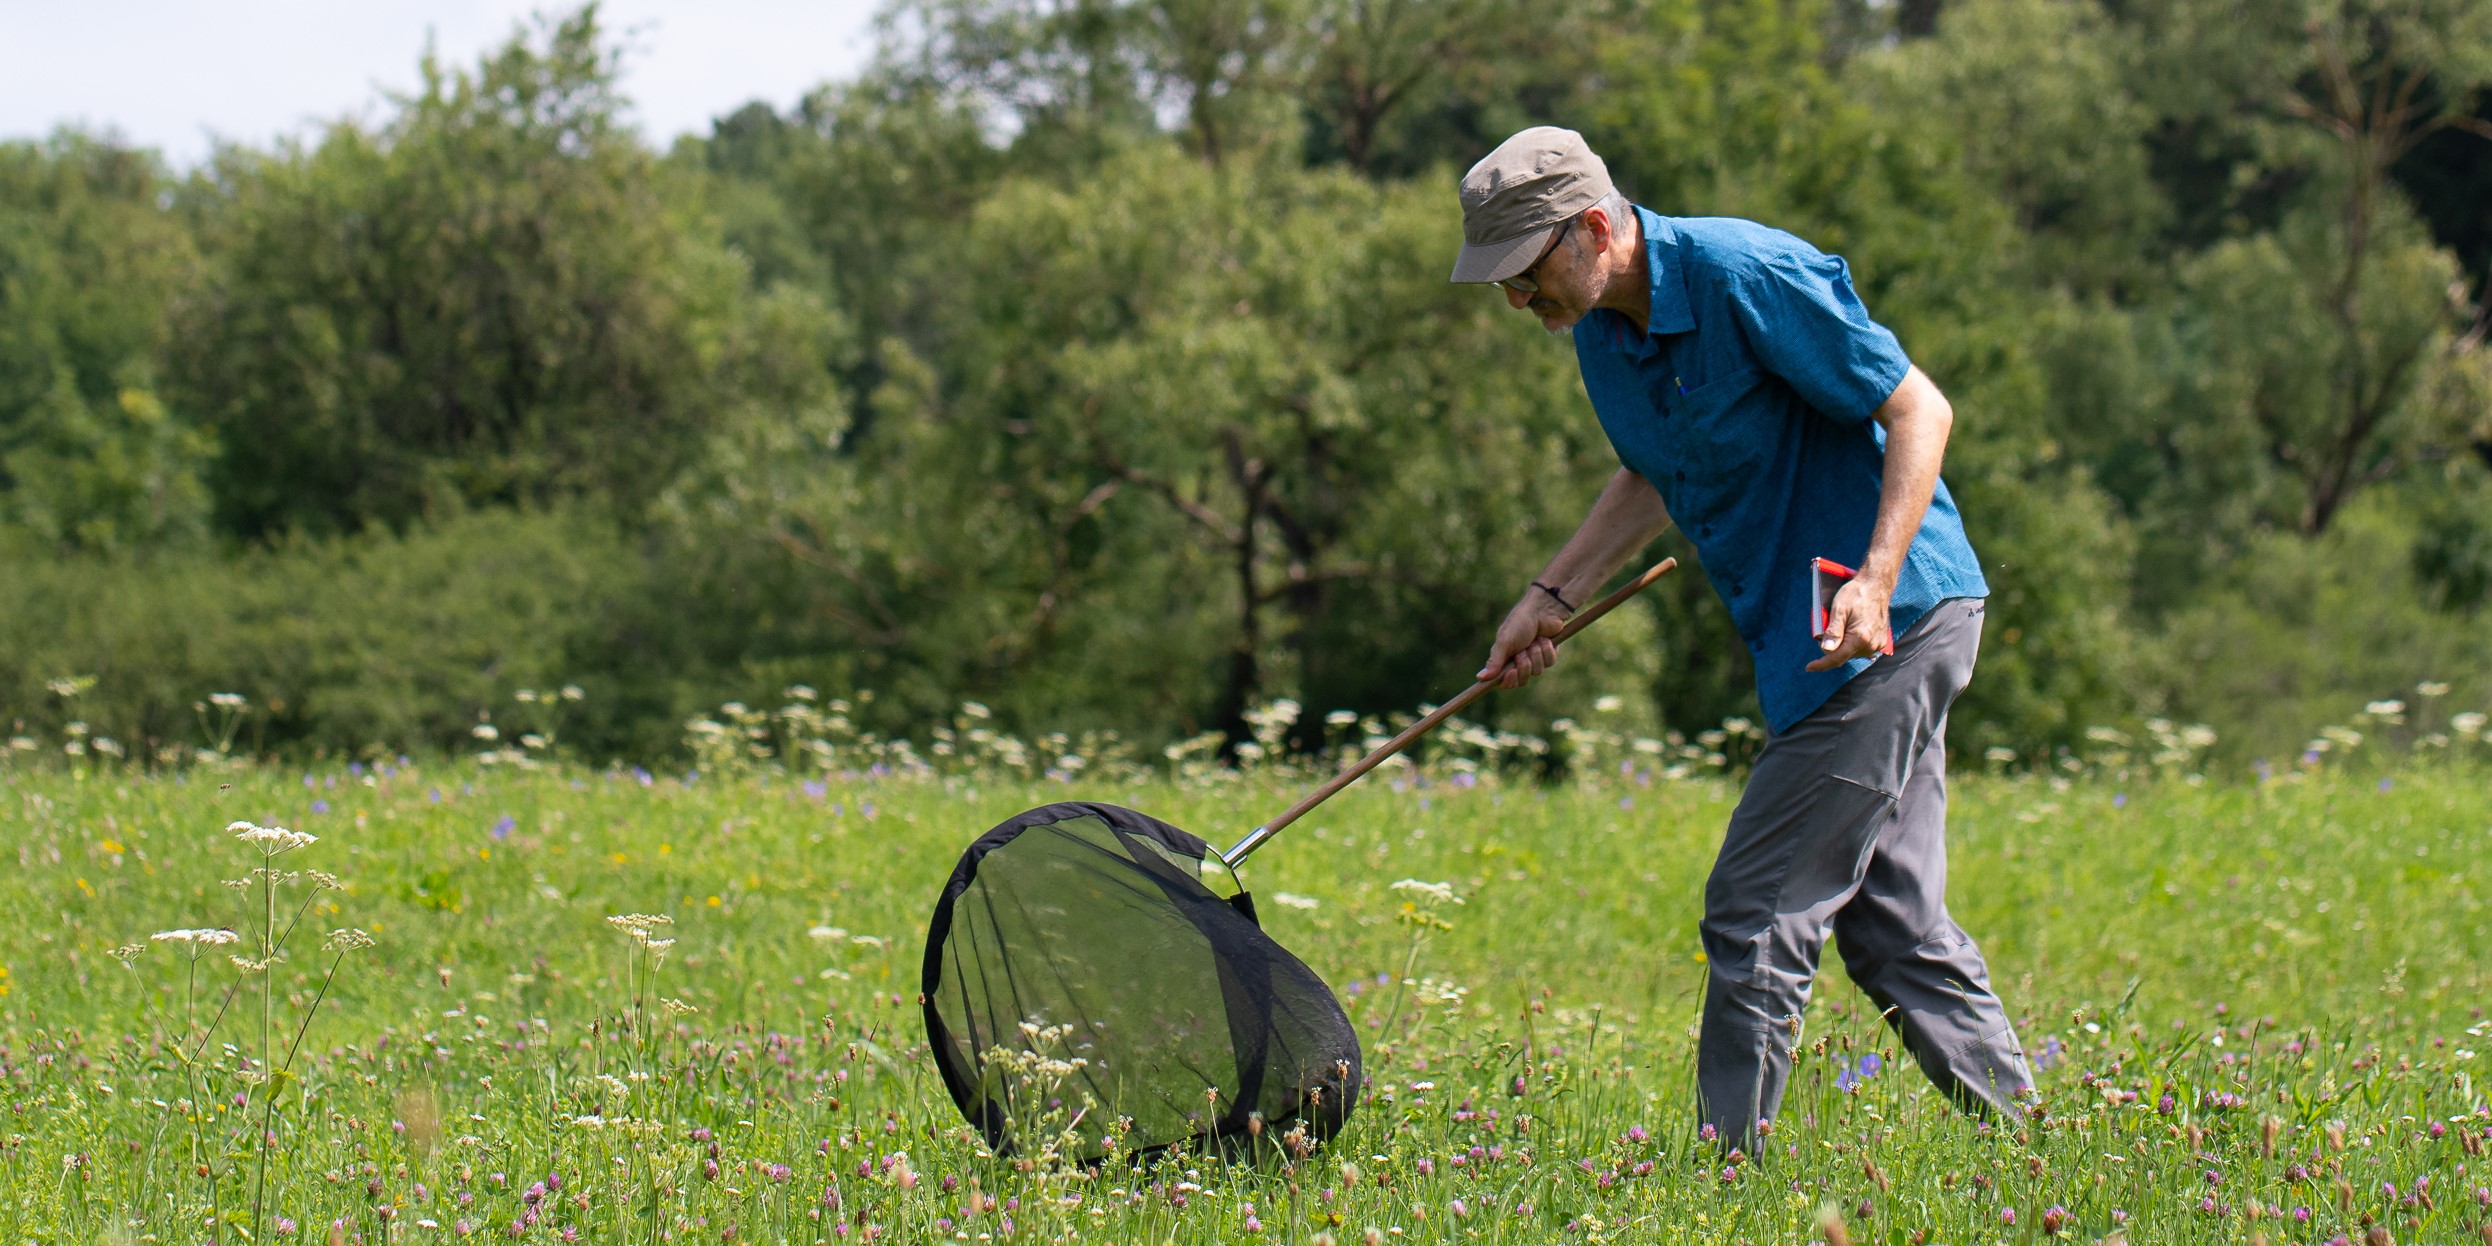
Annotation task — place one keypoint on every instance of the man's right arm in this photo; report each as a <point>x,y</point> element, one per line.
<point>1626,518</point>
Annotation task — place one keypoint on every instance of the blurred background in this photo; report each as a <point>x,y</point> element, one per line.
<point>1094,359</point>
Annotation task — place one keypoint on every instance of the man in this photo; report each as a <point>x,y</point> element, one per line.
<point>1748,394</point>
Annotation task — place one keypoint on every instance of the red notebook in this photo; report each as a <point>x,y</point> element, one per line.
<point>1825,578</point>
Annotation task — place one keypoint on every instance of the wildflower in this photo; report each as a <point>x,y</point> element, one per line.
<point>1436,893</point>
<point>2007,1215</point>
<point>346,940</point>
<point>503,828</point>
<point>128,953</point>
<point>271,840</point>
<point>1292,900</point>
<point>2054,1218</point>
<point>636,926</point>
<point>209,938</point>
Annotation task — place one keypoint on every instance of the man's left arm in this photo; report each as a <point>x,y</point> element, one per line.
<point>1917,420</point>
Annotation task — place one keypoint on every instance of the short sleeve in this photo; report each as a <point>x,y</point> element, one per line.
<point>1807,325</point>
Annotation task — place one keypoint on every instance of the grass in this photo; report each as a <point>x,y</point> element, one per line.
<point>2253,1008</point>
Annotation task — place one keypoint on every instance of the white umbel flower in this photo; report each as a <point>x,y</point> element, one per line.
<point>271,840</point>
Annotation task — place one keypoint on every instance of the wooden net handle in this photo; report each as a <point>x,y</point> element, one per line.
<point>1256,837</point>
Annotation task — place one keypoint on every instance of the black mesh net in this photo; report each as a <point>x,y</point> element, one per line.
<point>1082,982</point>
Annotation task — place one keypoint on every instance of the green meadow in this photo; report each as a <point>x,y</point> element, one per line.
<point>2256,1008</point>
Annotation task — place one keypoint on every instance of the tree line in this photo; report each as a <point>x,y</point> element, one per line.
<point>1094,360</point>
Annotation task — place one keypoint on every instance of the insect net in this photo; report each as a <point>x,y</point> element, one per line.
<point>1085,992</point>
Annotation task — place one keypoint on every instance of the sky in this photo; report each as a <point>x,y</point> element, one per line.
<point>175,75</point>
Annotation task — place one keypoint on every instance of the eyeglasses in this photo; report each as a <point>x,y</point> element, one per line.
<point>1523,282</point>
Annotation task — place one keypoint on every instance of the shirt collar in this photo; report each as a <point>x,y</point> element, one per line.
<point>1670,312</point>
<point>1668,276</point>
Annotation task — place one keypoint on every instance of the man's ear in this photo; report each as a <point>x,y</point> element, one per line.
<point>1603,230</point>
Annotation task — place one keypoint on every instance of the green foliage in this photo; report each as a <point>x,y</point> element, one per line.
<point>90,458</point>
<point>2298,633</point>
<point>496,298</point>
<point>371,645</point>
<point>1263,406</point>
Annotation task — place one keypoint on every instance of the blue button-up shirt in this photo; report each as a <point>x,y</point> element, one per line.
<point>1747,406</point>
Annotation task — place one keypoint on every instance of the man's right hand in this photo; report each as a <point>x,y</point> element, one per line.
<point>1524,649</point>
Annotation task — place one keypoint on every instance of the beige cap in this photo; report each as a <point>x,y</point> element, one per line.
<point>1518,195</point>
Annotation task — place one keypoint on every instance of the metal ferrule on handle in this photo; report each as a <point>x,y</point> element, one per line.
<point>1256,838</point>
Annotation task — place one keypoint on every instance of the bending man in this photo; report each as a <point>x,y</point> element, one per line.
<point>1748,393</point>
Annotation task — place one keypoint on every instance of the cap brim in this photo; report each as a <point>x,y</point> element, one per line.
<point>1483,262</point>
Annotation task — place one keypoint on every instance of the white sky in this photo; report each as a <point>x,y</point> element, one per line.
<point>170,74</point>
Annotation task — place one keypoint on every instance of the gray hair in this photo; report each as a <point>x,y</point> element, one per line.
<point>1613,206</point>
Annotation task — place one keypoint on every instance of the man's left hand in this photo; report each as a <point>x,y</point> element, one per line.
<point>1855,623</point>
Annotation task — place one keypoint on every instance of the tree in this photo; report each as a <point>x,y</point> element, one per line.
<point>498,297</point>
<point>91,457</point>
<point>1192,438</point>
<point>2378,80</point>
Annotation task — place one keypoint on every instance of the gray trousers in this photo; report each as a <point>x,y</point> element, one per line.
<point>1842,829</point>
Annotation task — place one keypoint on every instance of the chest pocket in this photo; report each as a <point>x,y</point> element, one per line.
<point>1713,434</point>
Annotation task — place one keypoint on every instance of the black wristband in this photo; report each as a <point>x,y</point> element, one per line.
<point>1553,593</point>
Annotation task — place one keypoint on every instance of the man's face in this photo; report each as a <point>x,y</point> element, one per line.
<point>1568,282</point>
